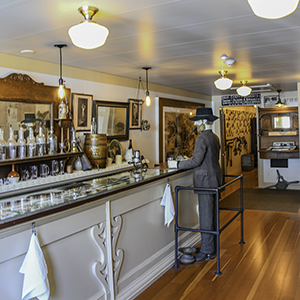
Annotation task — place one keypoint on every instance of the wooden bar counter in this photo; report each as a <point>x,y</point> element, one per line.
<point>102,235</point>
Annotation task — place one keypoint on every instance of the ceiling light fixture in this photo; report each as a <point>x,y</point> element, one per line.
<point>244,90</point>
<point>279,103</point>
<point>273,9</point>
<point>224,56</point>
<point>223,83</point>
<point>147,99</point>
<point>61,91</point>
<point>27,51</point>
<point>229,61</point>
<point>88,34</point>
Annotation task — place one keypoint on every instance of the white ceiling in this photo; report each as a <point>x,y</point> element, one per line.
<point>182,40</point>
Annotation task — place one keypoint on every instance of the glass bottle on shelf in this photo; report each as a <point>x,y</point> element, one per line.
<point>41,143</point>
<point>2,146</point>
<point>93,126</point>
<point>11,145</point>
<point>31,144</point>
<point>13,176</point>
<point>21,145</point>
<point>52,142</point>
<point>129,152</point>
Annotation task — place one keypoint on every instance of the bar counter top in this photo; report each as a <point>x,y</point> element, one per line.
<point>49,195</point>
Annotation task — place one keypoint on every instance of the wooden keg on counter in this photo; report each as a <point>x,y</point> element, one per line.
<point>95,147</point>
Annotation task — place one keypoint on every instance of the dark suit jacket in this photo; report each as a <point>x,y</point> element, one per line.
<point>205,161</point>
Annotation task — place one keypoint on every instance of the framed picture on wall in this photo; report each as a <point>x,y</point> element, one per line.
<point>81,107</point>
<point>175,127</point>
<point>112,119</point>
<point>135,113</point>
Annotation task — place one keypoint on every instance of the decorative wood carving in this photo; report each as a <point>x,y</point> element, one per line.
<point>118,254</point>
<point>22,88</point>
<point>99,267</point>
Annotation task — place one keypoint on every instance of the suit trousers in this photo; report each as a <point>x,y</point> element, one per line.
<point>207,220</point>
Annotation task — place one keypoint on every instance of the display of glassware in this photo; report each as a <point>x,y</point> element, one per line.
<point>31,144</point>
<point>2,146</point>
<point>41,143</point>
<point>52,142</point>
<point>11,145</point>
<point>21,145</point>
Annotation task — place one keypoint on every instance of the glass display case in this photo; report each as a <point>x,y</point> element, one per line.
<point>50,199</point>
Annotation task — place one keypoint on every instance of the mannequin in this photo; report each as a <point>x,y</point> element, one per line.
<point>207,174</point>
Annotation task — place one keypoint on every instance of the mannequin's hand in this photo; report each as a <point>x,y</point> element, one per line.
<point>172,164</point>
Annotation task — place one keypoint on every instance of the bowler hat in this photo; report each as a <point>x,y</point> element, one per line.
<point>30,118</point>
<point>204,113</point>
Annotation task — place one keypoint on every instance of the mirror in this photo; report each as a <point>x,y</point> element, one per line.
<point>27,114</point>
<point>282,122</point>
<point>112,119</point>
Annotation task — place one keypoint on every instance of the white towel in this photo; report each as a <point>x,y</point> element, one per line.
<point>167,202</point>
<point>34,268</point>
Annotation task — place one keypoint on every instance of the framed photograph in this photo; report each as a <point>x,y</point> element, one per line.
<point>81,107</point>
<point>112,119</point>
<point>135,114</point>
<point>270,101</point>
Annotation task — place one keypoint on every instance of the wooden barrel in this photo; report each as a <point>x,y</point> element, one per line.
<point>95,147</point>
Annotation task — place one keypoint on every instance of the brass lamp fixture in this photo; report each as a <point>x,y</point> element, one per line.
<point>88,34</point>
<point>223,83</point>
<point>61,91</point>
<point>244,90</point>
<point>273,9</point>
<point>147,99</point>
<point>279,103</point>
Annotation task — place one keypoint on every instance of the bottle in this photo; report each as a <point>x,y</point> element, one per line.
<point>11,144</point>
<point>93,126</point>
<point>31,144</point>
<point>13,176</point>
<point>62,110</point>
<point>21,144</point>
<point>2,146</point>
<point>52,142</point>
<point>41,143</point>
<point>129,151</point>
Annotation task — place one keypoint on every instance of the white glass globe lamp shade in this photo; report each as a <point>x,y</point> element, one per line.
<point>273,9</point>
<point>223,83</point>
<point>244,90</point>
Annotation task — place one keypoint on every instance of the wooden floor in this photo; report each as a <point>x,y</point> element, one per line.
<point>266,267</point>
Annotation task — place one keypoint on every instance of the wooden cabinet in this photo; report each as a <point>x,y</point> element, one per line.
<point>278,133</point>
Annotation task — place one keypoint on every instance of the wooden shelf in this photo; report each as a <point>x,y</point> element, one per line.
<point>270,154</point>
<point>38,158</point>
<point>268,133</point>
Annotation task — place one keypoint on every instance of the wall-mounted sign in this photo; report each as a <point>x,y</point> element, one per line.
<point>236,100</point>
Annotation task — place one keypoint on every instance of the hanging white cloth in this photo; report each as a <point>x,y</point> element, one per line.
<point>34,268</point>
<point>167,202</point>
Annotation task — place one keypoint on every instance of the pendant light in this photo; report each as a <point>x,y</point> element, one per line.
<point>223,83</point>
<point>279,103</point>
<point>88,34</point>
<point>244,90</point>
<point>273,9</point>
<point>61,91</point>
<point>147,99</point>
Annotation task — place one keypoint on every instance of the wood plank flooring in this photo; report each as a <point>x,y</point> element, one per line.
<point>266,267</point>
